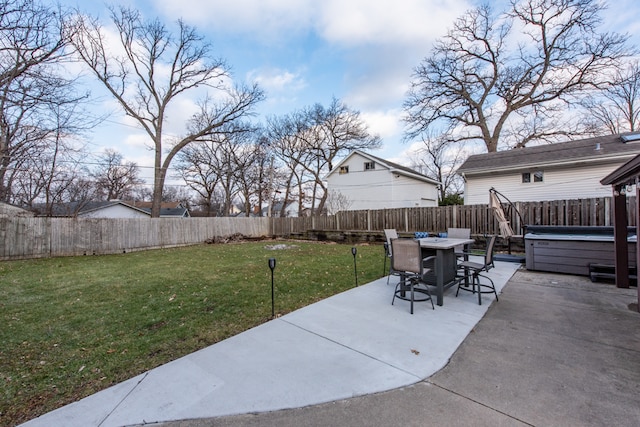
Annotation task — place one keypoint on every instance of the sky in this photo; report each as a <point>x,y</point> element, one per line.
<point>303,52</point>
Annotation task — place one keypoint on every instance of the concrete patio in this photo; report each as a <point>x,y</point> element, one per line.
<point>555,350</point>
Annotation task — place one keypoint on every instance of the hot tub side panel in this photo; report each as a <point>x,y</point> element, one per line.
<point>570,256</point>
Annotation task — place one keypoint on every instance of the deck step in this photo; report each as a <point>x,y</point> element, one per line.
<point>607,272</point>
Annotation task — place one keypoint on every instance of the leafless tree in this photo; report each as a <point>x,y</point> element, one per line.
<point>40,109</point>
<point>114,178</point>
<point>250,162</point>
<point>439,158</point>
<point>194,167</point>
<point>225,169</point>
<point>156,69</point>
<point>287,144</point>
<point>617,108</point>
<point>337,201</point>
<point>309,142</point>
<point>510,79</point>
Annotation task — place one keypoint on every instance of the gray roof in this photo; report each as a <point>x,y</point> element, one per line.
<point>71,209</point>
<point>609,148</point>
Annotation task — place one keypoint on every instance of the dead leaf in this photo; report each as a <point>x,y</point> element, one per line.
<point>414,351</point>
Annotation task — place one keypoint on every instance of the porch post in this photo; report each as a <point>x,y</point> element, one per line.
<point>637,209</point>
<point>621,251</point>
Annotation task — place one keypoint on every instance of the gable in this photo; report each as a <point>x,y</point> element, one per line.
<point>359,161</point>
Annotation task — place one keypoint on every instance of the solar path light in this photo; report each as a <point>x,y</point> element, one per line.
<point>272,266</point>
<point>354,251</point>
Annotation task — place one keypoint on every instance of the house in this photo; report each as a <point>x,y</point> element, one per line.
<point>113,209</point>
<point>12,211</point>
<point>362,181</point>
<point>167,209</point>
<point>561,171</point>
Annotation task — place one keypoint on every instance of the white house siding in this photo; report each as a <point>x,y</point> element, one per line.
<point>558,184</point>
<point>409,193</point>
<point>379,188</point>
<point>115,211</point>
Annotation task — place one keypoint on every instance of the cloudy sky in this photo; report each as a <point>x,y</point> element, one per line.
<point>303,52</point>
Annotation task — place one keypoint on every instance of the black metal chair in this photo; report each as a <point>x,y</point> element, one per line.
<point>408,262</point>
<point>474,270</point>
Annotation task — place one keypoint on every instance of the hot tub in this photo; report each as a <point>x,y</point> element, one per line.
<point>564,249</point>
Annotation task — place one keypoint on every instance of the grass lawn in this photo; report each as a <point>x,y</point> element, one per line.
<point>73,326</point>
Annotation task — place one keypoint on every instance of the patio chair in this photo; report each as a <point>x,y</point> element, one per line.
<point>389,234</point>
<point>459,233</point>
<point>475,270</point>
<point>407,260</point>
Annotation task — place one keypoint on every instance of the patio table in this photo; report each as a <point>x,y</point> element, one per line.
<point>445,274</point>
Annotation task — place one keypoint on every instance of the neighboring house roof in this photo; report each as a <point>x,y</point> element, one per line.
<point>9,210</point>
<point>79,208</point>
<point>172,209</point>
<point>597,149</point>
<point>393,167</point>
<point>167,209</point>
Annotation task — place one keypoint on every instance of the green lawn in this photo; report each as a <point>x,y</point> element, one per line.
<point>73,326</point>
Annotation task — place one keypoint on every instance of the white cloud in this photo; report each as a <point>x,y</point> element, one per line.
<point>266,18</point>
<point>346,22</point>
<point>387,21</point>
<point>383,123</point>
<point>276,80</point>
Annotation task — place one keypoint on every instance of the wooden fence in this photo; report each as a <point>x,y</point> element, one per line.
<point>479,218</point>
<point>45,237</point>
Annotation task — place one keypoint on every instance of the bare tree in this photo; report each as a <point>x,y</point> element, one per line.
<point>309,142</point>
<point>156,69</point>
<point>249,160</point>
<point>617,108</point>
<point>227,165</point>
<point>337,201</point>
<point>194,167</point>
<point>39,107</point>
<point>512,77</point>
<point>439,158</point>
<point>114,178</point>
<point>288,144</point>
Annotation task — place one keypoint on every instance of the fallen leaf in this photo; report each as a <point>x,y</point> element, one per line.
<point>414,351</point>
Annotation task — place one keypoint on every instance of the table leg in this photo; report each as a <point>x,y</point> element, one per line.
<point>440,277</point>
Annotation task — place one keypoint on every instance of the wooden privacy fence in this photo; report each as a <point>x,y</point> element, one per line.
<point>44,237</point>
<point>479,218</point>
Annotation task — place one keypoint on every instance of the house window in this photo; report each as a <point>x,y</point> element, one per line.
<point>344,169</point>
<point>369,166</point>
<point>538,176</point>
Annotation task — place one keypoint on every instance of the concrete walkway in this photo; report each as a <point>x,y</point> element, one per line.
<point>556,350</point>
<point>353,344</point>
